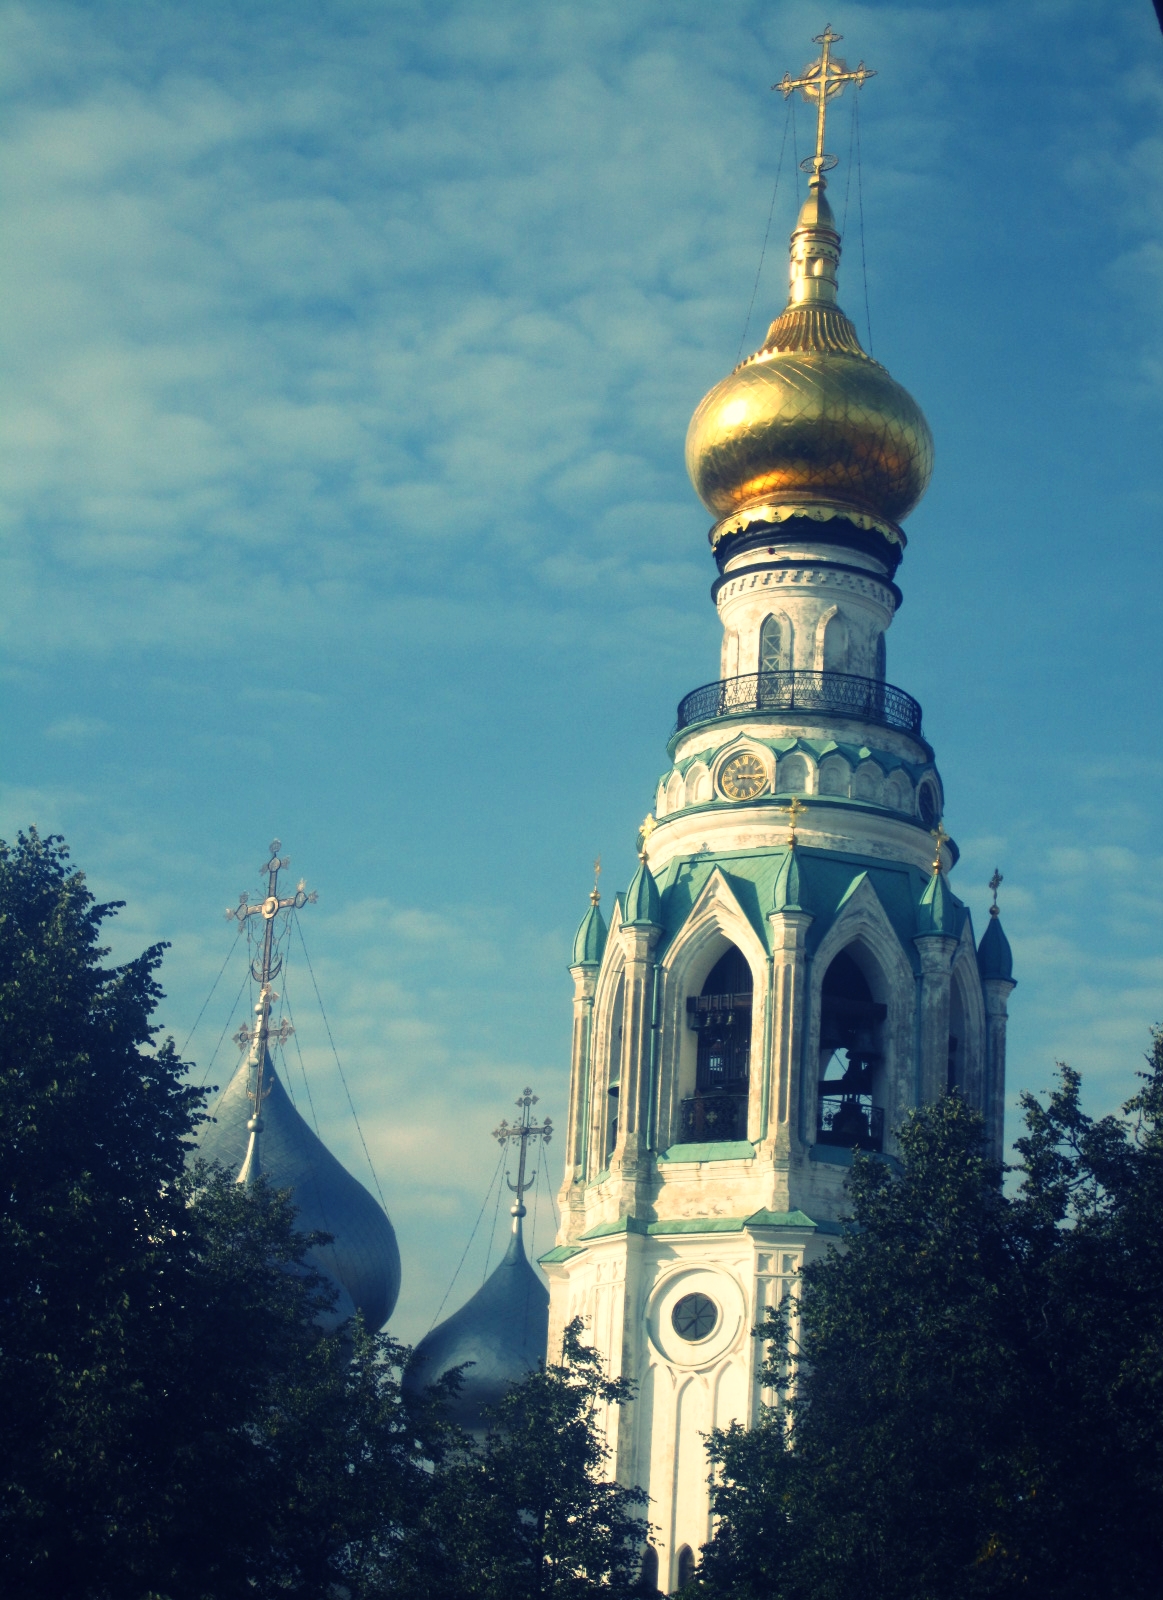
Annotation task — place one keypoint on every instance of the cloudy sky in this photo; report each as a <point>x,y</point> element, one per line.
<point>348,350</point>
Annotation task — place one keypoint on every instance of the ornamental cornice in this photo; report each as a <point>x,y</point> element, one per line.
<point>823,576</point>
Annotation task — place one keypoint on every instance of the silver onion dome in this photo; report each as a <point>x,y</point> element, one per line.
<point>502,1331</point>
<point>363,1260</point>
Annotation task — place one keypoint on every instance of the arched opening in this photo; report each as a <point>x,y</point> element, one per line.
<point>927,804</point>
<point>610,1109</point>
<point>648,1577</point>
<point>836,644</point>
<point>770,658</point>
<point>685,1567</point>
<point>721,1017</point>
<point>848,1113</point>
<point>881,664</point>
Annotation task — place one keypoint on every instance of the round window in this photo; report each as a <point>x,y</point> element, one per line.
<point>695,1317</point>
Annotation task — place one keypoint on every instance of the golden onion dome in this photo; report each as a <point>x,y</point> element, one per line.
<point>810,424</point>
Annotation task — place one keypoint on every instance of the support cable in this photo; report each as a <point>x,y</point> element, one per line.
<point>210,996</point>
<point>225,1025</point>
<point>766,234</point>
<point>471,1237</point>
<point>848,168</point>
<point>860,199</point>
<point>493,1234</point>
<point>339,1064</point>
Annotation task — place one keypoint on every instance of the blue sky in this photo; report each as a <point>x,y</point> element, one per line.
<point>348,351</point>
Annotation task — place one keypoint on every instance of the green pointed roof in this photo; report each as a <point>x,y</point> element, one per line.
<point>994,957</point>
<point>939,911</point>
<point>643,901</point>
<point>787,892</point>
<point>590,940</point>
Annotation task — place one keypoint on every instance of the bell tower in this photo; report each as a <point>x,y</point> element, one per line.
<point>789,972</point>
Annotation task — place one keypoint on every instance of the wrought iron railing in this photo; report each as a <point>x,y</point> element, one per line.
<point>850,1121</point>
<point>841,694</point>
<point>713,1116</point>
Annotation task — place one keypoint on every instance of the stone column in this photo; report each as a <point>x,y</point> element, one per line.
<point>937,952</point>
<point>632,1161</point>
<point>570,1199</point>
<point>997,992</point>
<point>789,1024</point>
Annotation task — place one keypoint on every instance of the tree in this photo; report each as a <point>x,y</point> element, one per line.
<point>975,1406</point>
<point>174,1421</point>
<point>529,1513</point>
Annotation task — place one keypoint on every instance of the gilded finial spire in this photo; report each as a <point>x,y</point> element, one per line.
<point>794,811</point>
<point>822,81</point>
<point>594,895</point>
<point>647,828</point>
<point>995,884</point>
<point>942,839</point>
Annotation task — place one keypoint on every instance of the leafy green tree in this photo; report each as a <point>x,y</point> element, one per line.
<point>529,1514</point>
<point>975,1408</point>
<point>174,1423</point>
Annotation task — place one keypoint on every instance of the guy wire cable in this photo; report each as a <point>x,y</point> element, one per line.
<point>860,199</point>
<point>210,996</point>
<point>339,1064</point>
<point>471,1237</point>
<point>225,1025</point>
<point>766,235</point>
<point>493,1235</point>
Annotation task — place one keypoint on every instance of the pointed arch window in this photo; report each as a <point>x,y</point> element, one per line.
<point>850,1060</point>
<point>721,1016</point>
<point>770,646</point>
<point>836,644</point>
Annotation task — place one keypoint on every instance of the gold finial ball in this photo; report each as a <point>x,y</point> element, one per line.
<point>814,425</point>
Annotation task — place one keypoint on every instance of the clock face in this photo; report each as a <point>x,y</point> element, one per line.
<point>743,777</point>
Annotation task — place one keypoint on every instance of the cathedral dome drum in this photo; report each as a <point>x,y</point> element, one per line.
<point>809,424</point>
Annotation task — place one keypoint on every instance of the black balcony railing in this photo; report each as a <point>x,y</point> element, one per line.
<point>837,694</point>
<point>713,1116</point>
<point>850,1121</point>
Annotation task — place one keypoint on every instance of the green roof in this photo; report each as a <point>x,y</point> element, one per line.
<point>725,1150</point>
<point>590,940</point>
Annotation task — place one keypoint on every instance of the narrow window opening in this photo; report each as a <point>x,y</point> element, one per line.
<point>770,658</point>
<point>686,1566</point>
<point>850,1060</point>
<point>721,1016</point>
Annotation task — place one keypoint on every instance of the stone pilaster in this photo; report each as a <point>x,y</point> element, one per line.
<point>632,1161</point>
<point>571,1203</point>
<point>937,952</point>
<point>789,1023</point>
<point>997,992</point>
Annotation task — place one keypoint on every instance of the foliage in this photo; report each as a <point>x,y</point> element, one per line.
<point>174,1422</point>
<point>528,1512</point>
<point>976,1409</point>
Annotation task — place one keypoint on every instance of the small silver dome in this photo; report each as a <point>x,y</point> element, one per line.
<point>503,1330</point>
<point>363,1261</point>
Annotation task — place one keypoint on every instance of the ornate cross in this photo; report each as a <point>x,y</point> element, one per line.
<point>942,839</point>
<point>995,884</point>
<point>263,968</point>
<point>649,823</point>
<point>794,811</point>
<point>594,895</point>
<point>521,1133</point>
<point>822,81</point>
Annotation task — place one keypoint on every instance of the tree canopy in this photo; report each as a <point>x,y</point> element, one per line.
<point>176,1424</point>
<point>968,1391</point>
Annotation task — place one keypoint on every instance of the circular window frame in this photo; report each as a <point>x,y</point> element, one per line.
<point>697,1312</point>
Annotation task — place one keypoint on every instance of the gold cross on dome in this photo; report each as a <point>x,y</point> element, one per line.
<point>794,811</point>
<point>822,81</point>
<point>942,839</point>
<point>995,884</point>
<point>594,895</point>
<point>649,824</point>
